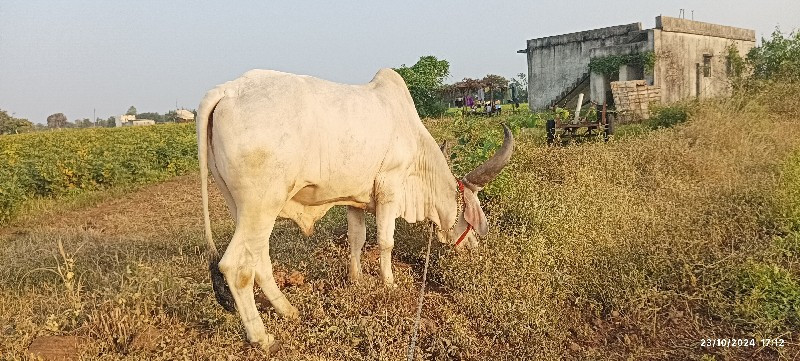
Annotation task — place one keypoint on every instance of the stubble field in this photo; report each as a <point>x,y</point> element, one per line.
<point>634,249</point>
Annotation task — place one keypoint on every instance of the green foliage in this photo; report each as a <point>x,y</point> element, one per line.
<point>590,114</point>
<point>171,116</point>
<point>424,80</point>
<point>669,116</point>
<point>523,119</point>
<point>131,111</point>
<point>609,65</point>
<point>158,118</point>
<point>520,83</point>
<point>82,123</point>
<point>477,139</point>
<point>57,163</point>
<point>736,64</point>
<point>11,125</point>
<point>778,56</point>
<point>776,60</point>
<point>562,113</point>
<point>769,295</point>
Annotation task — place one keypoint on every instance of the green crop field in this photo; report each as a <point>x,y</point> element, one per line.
<point>53,164</point>
<point>640,247</point>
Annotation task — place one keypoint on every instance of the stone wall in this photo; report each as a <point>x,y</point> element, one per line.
<point>557,63</point>
<point>632,100</point>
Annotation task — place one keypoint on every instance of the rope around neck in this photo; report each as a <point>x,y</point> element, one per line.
<point>412,346</point>
<point>459,204</point>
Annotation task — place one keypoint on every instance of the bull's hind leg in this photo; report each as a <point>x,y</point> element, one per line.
<point>266,280</point>
<point>357,235</point>
<point>250,243</point>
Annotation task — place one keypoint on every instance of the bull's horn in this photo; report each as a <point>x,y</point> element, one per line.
<point>484,173</point>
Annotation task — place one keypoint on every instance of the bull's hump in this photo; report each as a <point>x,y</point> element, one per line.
<point>255,73</point>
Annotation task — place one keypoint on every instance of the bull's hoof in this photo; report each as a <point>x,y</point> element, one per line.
<point>290,312</point>
<point>354,277</point>
<point>275,347</point>
<point>268,344</point>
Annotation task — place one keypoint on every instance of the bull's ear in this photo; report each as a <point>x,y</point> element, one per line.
<point>443,146</point>
<point>473,213</point>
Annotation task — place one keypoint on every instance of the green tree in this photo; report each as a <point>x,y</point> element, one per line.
<point>497,84</point>
<point>778,56</point>
<point>111,122</point>
<point>425,80</point>
<point>520,83</point>
<point>171,116</point>
<point>57,120</point>
<point>83,123</point>
<point>12,125</point>
<point>152,116</point>
<point>131,111</point>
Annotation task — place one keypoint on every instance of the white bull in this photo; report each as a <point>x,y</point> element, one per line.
<point>285,145</point>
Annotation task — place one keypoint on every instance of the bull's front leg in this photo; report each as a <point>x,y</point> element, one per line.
<point>385,215</point>
<point>356,235</point>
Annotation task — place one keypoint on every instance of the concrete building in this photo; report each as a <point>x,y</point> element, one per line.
<point>130,120</point>
<point>124,119</point>
<point>184,116</point>
<point>140,122</point>
<point>690,61</point>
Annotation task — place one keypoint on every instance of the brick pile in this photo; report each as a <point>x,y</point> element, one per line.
<point>632,100</point>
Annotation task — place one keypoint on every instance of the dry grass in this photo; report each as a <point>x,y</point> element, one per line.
<point>639,247</point>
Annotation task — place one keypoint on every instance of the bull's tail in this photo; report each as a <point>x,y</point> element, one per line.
<point>204,121</point>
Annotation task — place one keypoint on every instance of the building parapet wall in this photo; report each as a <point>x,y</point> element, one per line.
<point>582,36</point>
<point>677,25</point>
<point>621,49</point>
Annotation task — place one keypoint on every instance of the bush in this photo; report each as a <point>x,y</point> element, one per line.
<point>768,295</point>
<point>53,164</point>
<point>669,116</point>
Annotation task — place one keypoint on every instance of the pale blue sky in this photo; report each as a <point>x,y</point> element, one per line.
<point>74,56</point>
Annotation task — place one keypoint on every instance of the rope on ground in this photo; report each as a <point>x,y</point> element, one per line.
<point>412,345</point>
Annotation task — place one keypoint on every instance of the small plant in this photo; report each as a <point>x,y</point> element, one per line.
<point>65,269</point>
<point>562,113</point>
<point>669,116</point>
<point>524,120</point>
<point>768,296</point>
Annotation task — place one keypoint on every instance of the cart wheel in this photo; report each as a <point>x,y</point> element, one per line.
<point>551,131</point>
<point>609,128</point>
